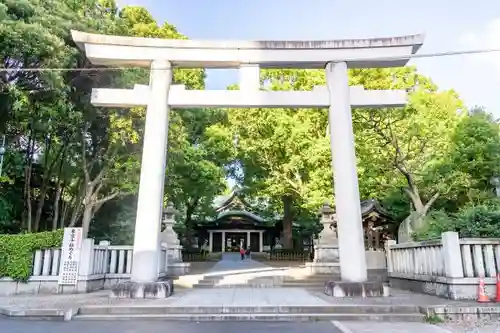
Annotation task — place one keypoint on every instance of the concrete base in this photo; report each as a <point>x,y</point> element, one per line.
<point>50,285</point>
<point>326,253</point>
<point>178,268</point>
<point>160,289</point>
<point>356,289</point>
<point>332,268</point>
<point>455,289</point>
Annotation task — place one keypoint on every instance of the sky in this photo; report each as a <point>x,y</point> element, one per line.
<point>447,24</point>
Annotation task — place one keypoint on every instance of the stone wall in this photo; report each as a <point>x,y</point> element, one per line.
<point>449,267</point>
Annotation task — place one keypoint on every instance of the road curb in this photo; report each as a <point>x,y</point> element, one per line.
<point>48,314</point>
<point>449,312</point>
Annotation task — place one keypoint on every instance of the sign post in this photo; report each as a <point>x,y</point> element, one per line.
<point>70,260</point>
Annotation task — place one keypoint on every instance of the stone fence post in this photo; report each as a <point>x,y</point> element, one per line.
<point>103,264</point>
<point>452,256</point>
<point>388,254</point>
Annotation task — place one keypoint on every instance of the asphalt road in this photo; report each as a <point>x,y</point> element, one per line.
<point>33,326</point>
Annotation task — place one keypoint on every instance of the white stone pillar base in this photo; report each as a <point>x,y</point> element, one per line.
<point>133,290</point>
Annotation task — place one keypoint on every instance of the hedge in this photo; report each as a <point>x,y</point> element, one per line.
<point>471,221</point>
<point>16,252</point>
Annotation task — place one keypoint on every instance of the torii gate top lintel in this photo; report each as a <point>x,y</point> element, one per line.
<point>357,53</point>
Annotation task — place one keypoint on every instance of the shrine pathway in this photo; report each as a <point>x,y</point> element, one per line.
<point>231,261</point>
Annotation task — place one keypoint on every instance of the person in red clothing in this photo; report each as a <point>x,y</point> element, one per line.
<point>242,252</point>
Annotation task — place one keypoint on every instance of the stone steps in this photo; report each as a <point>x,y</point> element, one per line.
<point>316,281</point>
<point>208,281</point>
<point>263,285</point>
<point>261,317</point>
<point>247,309</point>
<point>242,313</point>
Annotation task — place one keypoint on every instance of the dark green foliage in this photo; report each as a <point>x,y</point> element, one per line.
<point>16,252</point>
<point>472,221</point>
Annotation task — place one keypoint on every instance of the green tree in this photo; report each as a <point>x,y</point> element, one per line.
<point>75,157</point>
<point>283,152</point>
<point>475,150</point>
<point>404,144</point>
<point>197,158</point>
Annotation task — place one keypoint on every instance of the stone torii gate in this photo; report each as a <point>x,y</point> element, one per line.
<point>161,55</point>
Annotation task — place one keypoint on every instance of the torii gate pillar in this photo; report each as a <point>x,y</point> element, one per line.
<point>152,179</point>
<point>350,227</point>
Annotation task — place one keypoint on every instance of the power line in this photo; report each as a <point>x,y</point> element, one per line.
<point>412,56</point>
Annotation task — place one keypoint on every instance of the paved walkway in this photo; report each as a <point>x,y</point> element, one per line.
<point>229,296</point>
<point>33,326</point>
<point>244,297</point>
<point>231,261</point>
<point>15,326</point>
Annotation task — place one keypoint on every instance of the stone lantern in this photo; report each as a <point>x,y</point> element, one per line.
<point>170,241</point>
<point>328,219</point>
<point>169,235</point>
<point>326,249</point>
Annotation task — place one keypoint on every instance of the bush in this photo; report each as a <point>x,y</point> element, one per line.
<point>470,222</point>
<point>16,252</point>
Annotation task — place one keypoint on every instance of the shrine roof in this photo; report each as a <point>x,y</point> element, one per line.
<point>371,205</point>
<point>250,215</point>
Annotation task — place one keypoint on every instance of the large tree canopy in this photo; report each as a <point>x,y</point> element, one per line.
<point>70,163</point>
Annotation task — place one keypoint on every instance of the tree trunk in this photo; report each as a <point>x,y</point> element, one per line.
<point>48,169</point>
<point>27,183</point>
<point>57,199</point>
<point>421,209</point>
<point>76,204</point>
<point>87,216</point>
<point>65,211</point>
<point>27,212</point>
<point>39,208</point>
<point>190,208</point>
<point>287,222</point>
<point>27,189</point>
